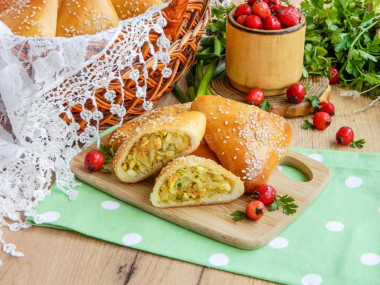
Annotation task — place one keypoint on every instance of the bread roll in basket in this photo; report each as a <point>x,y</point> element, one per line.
<point>186,23</point>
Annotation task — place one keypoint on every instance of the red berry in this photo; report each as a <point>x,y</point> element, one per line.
<point>327,107</point>
<point>253,22</point>
<point>251,2</point>
<point>334,76</point>
<point>265,194</point>
<point>295,10</point>
<point>243,9</point>
<point>274,5</point>
<point>345,135</point>
<point>255,97</point>
<point>295,93</point>
<point>289,16</point>
<point>321,120</point>
<point>241,19</point>
<point>93,161</point>
<point>261,9</point>
<point>255,210</point>
<point>272,23</point>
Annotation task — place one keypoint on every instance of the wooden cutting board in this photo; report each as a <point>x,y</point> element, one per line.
<point>214,221</point>
<point>319,86</point>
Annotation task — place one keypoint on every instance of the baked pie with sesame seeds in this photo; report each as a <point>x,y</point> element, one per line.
<point>67,18</point>
<point>131,8</point>
<point>82,17</point>
<point>151,145</point>
<point>248,141</point>
<point>31,18</point>
<point>192,180</point>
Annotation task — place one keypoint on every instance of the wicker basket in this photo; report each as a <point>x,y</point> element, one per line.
<point>187,20</point>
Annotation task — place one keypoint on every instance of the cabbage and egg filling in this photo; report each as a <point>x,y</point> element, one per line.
<point>154,149</point>
<point>193,183</point>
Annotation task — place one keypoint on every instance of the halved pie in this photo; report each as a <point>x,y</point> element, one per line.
<point>192,180</point>
<point>160,114</point>
<point>150,146</point>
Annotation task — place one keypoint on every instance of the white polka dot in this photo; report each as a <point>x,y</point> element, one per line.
<point>353,182</point>
<point>131,239</point>
<point>218,259</point>
<point>379,210</point>
<point>311,279</point>
<point>51,216</point>
<point>279,167</point>
<point>316,156</point>
<point>110,205</point>
<point>278,242</point>
<point>370,259</point>
<point>335,226</point>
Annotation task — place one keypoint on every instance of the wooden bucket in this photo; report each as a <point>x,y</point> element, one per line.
<point>265,59</point>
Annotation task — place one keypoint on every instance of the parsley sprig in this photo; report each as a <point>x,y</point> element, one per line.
<point>238,215</point>
<point>358,144</point>
<point>306,125</point>
<point>107,152</point>
<point>286,203</point>
<point>314,101</point>
<point>264,105</point>
<point>343,36</point>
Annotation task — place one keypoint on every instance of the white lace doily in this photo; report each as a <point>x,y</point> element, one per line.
<point>36,142</point>
<point>33,96</point>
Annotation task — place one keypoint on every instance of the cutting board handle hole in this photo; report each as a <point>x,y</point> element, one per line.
<point>294,173</point>
<point>296,169</point>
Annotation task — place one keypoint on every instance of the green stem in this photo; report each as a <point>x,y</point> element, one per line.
<point>180,94</point>
<point>362,32</point>
<point>202,89</point>
<point>217,47</point>
<point>198,73</point>
<point>191,91</point>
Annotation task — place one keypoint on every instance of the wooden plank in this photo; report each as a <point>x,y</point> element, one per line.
<point>319,86</point>
<point>214,221</point>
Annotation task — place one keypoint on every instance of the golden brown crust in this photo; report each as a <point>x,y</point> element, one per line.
<point>31,18</point>
<point>4,4</point>
<point>192,124</point>
<point>247,140</point>
<point>131,8</point>
<point>119,135</point>
<point>189,161</point>
<point>81,17</point>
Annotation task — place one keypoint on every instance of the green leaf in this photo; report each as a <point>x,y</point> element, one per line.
<point>307,125</point>
<point>345,43</point>
<point>307,88</point>
<point>238,215</point>
<point>275,205</point>
<point>286,203</point>
<point>314,101</point>
<point>107,152</point>
<point>264,105</point>
<point>358,144</point>
<point>105,170</point>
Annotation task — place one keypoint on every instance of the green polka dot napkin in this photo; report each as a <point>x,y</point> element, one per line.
<point>336,240</point>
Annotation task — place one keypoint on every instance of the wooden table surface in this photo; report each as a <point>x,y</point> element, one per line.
<point>64,257</point>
